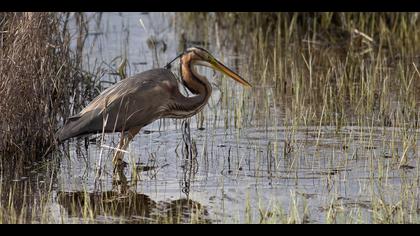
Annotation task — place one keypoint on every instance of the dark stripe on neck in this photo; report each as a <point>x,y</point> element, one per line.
<point>193,77</point>
<point>185,83</point>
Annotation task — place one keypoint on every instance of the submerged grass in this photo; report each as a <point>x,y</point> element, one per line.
<point>338,68</point>
<point>354,72</point>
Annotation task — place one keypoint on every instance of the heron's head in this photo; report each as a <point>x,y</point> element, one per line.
<point>200,56</point>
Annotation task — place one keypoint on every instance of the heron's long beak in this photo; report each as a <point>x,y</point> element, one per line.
<point>225,70</point>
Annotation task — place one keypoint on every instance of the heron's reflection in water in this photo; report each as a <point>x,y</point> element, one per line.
<point>133,207</point>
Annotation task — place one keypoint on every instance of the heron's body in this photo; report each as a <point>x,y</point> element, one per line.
<point>133,102</point>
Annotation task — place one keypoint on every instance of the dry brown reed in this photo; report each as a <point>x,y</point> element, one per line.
<point>39,79</point>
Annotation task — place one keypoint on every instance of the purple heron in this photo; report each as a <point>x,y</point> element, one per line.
<point>135,102</point>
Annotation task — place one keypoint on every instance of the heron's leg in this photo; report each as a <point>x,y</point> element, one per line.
<point>124,143</point>
<point>118,162</point>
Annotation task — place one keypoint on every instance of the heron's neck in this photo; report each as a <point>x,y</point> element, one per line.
<point>197,84</point>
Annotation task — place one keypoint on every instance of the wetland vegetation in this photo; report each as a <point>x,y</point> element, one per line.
<point>329,132</point>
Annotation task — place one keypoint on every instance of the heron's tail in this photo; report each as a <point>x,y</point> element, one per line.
<point>66,132</point>
<point>74,127</point>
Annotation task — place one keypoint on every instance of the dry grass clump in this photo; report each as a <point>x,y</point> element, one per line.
<point>39,80</point>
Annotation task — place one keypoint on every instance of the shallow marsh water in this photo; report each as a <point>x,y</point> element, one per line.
<point>248,164</point>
